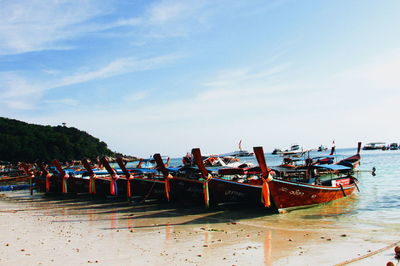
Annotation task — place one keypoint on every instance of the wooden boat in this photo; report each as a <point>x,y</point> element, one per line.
<point>189,184</point>
<point>295,166</point>
<point>259,188</point>
<point>12,174</point>
<point>352,161</point>
<point>184,185</point>
<point>46,179</point>
<point>106,183</point>
<point>144,183</point>
<point>14,178</point>
<point>287,194</point>
<point>229,188</point>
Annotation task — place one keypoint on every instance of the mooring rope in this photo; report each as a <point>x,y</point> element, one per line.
<point>368,255</point>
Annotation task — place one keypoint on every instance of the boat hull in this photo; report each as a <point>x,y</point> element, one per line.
<point>283,194</point>
<point>228,191</point>
<point>77,185</point>
<point>185,190</point>
<point>287,194</point>
<point>148,188</point>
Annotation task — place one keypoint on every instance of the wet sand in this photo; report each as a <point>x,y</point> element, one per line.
<point>63,231</point>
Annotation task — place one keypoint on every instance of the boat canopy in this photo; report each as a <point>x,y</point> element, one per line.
<point>333,167</point>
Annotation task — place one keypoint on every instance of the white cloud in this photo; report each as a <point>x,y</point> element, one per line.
<point>166,11</point>
<point>66,101</point>
<point>170,19</point>
<point>382,71</point>
<point>118,67</point>
<point>233,81</point>
<point>137,96</point>
<point>16,87</point>
<point>38,25</point>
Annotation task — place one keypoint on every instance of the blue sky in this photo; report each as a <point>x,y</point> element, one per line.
<point>167,76</point>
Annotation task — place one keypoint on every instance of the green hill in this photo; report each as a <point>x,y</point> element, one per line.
<point>20,141</point>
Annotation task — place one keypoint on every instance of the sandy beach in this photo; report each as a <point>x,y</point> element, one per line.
<point>66,231</point>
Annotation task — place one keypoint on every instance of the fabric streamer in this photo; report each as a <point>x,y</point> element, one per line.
<point>167,188</point>
<point>48,176</point>
<point>92,184</point>
<point>64,183</point>
<point>265,199</point>
<point>128,188</point>
<point>113,185</point>
<point>206,193</point>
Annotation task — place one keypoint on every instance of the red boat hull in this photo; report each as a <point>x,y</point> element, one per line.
<point>286,194</point>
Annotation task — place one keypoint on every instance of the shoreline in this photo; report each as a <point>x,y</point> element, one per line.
<point>41,231</point>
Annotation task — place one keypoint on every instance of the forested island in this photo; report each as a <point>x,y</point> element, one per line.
<point>20,141</point>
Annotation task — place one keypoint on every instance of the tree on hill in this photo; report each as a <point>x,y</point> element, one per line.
<point>20,141</point>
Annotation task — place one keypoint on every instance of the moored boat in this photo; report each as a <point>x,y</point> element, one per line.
<point>393,146</point>
<point>239,153</point>
<point>374,146</point>
<point>145,183</point>
<point>288,194</point>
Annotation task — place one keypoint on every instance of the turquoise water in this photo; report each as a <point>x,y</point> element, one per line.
<point>376,207</point>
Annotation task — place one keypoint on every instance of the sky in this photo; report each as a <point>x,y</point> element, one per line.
<point>167,76</point>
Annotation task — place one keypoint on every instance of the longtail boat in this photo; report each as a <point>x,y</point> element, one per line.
<point>228,187</point>
<point>11,172</point>
<point>102,183</point>
<point>287,194</point>
<point>144,183</point>
<point>186,184</point>
<point>21,173</point>
<point>352,161</point>
<point>257,187</point>
<point>42,178</point>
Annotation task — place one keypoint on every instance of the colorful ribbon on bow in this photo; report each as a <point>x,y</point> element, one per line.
<point>206,194</point>
<point>167,187</point>
<point>48,176</point>
<point>113,185</point>
<point>64,183</point>
<point>92,184</point>
<point>265,199</point>
<point>128,188</point>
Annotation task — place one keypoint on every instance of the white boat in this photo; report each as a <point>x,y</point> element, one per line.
<point>239,153</point>
<point>374,146</point>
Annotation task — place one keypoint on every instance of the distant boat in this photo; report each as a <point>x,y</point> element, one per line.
<point>239,153</point>
<point>394,146</point>
<point>276,151</point>
<point>295,148</point>
<point>374,146</point>
<point>322,148</point>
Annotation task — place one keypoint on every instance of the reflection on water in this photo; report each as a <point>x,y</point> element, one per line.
<point>267,248</point>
